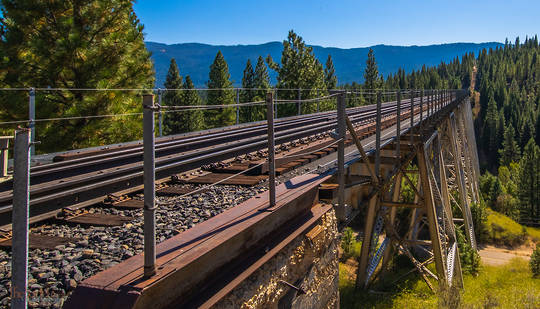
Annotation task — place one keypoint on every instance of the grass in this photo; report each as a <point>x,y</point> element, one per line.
<point>505,231</point>
<point>507,286</point>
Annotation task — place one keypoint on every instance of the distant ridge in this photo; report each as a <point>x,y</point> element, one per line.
<point>194,59</point>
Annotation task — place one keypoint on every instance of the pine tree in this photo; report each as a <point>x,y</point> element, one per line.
<point>490,129</point>
<point>194,119</point>
<point>262,82</point>
<point>219,80</point>
<point>529,182</point>
<point>510,151</point>
<point>330,78</point>
<point>371,75</point>
<point>248,93</point>
<point>75,44</point>
<point>173,122</point>
<point>299,69</point>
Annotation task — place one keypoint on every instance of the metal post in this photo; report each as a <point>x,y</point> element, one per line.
<point>378,137</point>
<point>271,150</point>
<point>439,99</point>
<point>398,125</point>
<point>32,118</point>
<point>299,103</point>
<point>149,187</point>
<point>412,109</point>
<point>275,105</point>
<point>432,102</point>
<point>21,184</point>
<point>237,107</point>
<point>4,154</point>
<point>430,92</point>
<point>160,114</point>
<point>421,105</point>
<point>318,102</point>
<point>412,117</point>
<point>340,212</point>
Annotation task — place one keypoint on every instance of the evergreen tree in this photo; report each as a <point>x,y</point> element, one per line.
<point>490,130</point>
<point>510,151</point>
<point>371,75</point>
<point>222,95</point>
<point>299,69</point>
<point>75,44</point>
<point>330,78</point>
<point>194,119</point>
<point>173,122</point>
<point>529,182</point>
<point>248,93</point>
<point>262,82</point>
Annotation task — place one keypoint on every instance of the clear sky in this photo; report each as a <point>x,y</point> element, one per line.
<point>338,23</point>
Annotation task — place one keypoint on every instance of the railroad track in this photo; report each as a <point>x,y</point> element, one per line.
<point>84,179</point>
<point>96,248</point>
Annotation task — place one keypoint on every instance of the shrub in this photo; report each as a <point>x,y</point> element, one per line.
<point>535,261</point>
<point>479,216</point>
<point>347,242</point>
<point>470,259</point>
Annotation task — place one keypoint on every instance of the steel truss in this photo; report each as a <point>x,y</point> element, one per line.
<point>445,184</point>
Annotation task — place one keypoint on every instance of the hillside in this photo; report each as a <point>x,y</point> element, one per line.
<point>194,59</point>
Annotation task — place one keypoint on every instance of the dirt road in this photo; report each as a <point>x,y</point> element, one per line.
<point>491,255</point>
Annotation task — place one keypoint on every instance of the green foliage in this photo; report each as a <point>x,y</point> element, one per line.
<point>261,79</point>
<point>534,263</point>
<point>479,215</point>
<point>469,258</point>
<point>506,286</point>
<point>220,93</point>
<point>181,121</point>
<point>330,78</point>
<point>371,75</point>
<point>247,94</point>
<point>74,44</point>
<point>193,120</point>
<point>347,242</point>
<point>299,69</point>
<point>172,121</point>
<point>529,182</point>
<point>510,151</point>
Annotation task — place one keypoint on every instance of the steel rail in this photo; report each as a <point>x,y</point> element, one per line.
<point>48,197</point>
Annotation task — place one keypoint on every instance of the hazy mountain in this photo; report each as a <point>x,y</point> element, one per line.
<point>194,59</point>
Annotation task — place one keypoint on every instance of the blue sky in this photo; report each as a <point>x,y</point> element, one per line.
<point>338,23</point>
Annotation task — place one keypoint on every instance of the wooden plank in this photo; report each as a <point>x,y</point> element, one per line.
<point>129,204</point>
<point>98,219</point>
<point>175,190</point>
<point>38,241</point>
<point>241,180</point>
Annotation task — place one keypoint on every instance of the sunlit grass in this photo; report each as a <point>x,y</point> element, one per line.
<point>505,231</point>
<point>507,286</point>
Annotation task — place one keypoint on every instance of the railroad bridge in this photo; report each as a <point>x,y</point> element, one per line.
<point>315,174</point>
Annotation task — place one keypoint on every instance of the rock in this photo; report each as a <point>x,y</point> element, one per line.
<point>35,286</point>
<point>78,276</point>
<point>83,243</point>
<point>87,253</point>
<point>71,284</point>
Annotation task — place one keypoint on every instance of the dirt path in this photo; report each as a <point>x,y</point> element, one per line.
<point>491,255</point>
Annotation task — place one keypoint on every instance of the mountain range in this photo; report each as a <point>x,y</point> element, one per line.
<point>194,59</point>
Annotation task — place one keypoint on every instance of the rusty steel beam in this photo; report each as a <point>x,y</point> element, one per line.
<point>186,261</point>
